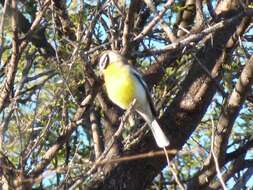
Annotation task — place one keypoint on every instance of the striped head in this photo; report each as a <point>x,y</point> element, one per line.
<point>109,57</point>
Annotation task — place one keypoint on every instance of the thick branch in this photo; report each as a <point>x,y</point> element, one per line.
<point>225,124</point>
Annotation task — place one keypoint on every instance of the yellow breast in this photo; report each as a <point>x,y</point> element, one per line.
<point>120,85</point>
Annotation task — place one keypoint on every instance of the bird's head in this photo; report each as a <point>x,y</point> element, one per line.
<point>109,57</point>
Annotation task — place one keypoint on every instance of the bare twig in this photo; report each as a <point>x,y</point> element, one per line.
<point>150,154</point>
<point>66,26</point>
<point>51,152</point>
<point>156,19</point>
<point>54,31</point>
<point>38,141</point>
<point>216,162</point>
<point>118,132</point>
<point>70,166</point>
<point>7,84</point>
<point>163,24</point>
<point>133,139</point>
<point>174,173</point>
<point>107,149</point>
<point>87,38</point>
<point>128,26</point>
<point>4,125</point>
<point>198,36</point>
<point>33,27</point>
<point>80,25</point>
<point>184,29</point>
<point>146,155</point>
<point>36,22</point>
<point>58,61</point>
<point>224,127</point>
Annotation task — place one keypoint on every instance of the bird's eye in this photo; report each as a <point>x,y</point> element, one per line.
<point>103,62</point>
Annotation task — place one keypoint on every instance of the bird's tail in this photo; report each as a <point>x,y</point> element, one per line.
<point>160,138</point>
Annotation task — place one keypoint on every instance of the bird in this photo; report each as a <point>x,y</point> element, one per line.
<point>123,85</point>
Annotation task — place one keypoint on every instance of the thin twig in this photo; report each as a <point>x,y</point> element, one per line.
<point>39,138</point>
<point>174,173</point>
<point>70,166</point>
<point>65,134</point>
<point>58,61</point>
<point>163,24</point>
<point>117,133</point>
<point>110,144</point>
<point>219,175</point>
<point>35,23</point>
<point>156,19</point>
<point>151,154</point>
<point>128,26</point>
<point>198,36</point>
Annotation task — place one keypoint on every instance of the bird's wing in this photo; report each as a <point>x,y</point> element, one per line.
<point>145,86</point>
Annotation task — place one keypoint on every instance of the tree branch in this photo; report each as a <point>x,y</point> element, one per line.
<point>38,38</point>
<point>11,68</point>
<point>69,129</point>
<point>128,26</point>
<point>156,19</point>
<point>64,23</point>
<point>225,124</point>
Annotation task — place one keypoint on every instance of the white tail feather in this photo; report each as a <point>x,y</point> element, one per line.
<point>160,137</point>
